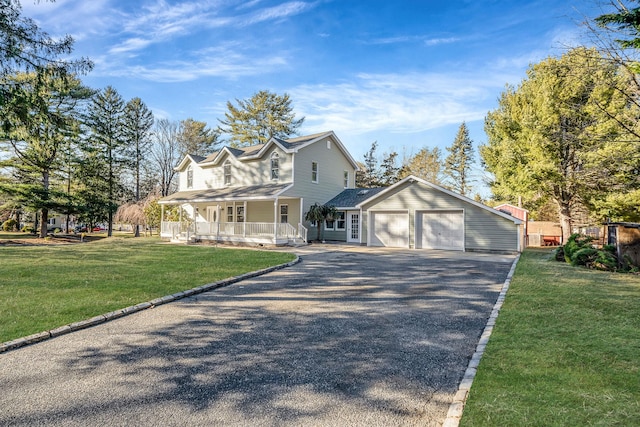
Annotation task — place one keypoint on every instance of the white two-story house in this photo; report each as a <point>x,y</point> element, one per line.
<point>258,194</point>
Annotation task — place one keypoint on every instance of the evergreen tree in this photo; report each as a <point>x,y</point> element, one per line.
<point>196,138</point>
<point>256,120</point>
<point>425,164</point>
<point>369,175</point>
<point>457,165</point>
<point>390,170</point>
<point>108,145</point>
<point>138,121</point>
<point>37,138</point>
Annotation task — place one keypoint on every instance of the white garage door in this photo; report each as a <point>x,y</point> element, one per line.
<point>390,229</point>
<point>440,230</point>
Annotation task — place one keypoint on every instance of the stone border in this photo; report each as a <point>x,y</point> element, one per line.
<point>72,327</point>
<point>457,406</point>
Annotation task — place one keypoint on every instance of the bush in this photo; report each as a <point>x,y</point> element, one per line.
<point>574,244</point>
<point>10,225</point>
<point>584,256</point>
<point>559,254</point>
<point>28,229</point>
<point>605,260</point>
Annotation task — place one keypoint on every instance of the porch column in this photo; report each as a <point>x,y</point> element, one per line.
<point>244,223</point>
<point>161,218</point>
<point>301,210</point>
<point>218,222</point>
<point>275,221</point>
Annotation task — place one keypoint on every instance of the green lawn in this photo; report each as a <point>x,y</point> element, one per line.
<point>43,287</point>
<point>565,350</point>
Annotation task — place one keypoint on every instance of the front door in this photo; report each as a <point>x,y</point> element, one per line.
<point>353,227</point>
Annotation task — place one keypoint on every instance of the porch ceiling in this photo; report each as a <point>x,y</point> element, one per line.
<point>254,192</point>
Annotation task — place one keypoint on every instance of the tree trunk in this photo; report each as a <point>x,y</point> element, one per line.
<point>44,222</point>
<point>565,221</point>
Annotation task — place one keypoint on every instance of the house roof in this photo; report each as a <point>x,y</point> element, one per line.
<point>290,145</point>
<point>413,178</point>
<point>253,192</point>
<point>351,197</point>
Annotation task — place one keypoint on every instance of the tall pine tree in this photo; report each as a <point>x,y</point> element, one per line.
<point>457,165</point>
<point>107,146</point>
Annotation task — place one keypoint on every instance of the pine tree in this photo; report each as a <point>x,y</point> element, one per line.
<point>457,165</point>
<point>369,174</point>
<point>390,170</point>
<point>256,120</point>
<point>138,120</point>
<point>425,164</point>
<point>196,138</point>
<point>108,144</point>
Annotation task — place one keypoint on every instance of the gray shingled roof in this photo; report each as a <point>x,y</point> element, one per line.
<point>266,191</point>
<point>350,197</point>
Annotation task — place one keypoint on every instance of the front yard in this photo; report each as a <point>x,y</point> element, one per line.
<point>565,350</point>
<point>46,286</point>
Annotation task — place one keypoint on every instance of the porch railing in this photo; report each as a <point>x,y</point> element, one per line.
<point>234,229</point>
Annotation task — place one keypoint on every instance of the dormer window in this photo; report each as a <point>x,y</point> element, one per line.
<point>190,177</point>
<point>227,172</point>
<point>275,166</point>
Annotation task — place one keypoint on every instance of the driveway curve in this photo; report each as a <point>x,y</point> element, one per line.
<point>350,336</point>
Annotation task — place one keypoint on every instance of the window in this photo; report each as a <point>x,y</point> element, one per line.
<point>314,171</point>
<point>346,179</point>
<point>227,172</point>
<point>330,225</point>
<point>275,166</point>
<point>340,220</point>
<point>328,144</point>
<point>190,177</point>
<point>229,213</point>
<point>284,213</point>
<point>240,214</point>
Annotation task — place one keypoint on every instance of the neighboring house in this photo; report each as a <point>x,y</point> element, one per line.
<point>520,213</point>
<point>260,194</point>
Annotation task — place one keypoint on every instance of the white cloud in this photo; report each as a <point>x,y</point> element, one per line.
<point>399,103</point>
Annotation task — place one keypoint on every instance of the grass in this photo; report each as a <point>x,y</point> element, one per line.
<point>43,287</point>
<point>565,350</point>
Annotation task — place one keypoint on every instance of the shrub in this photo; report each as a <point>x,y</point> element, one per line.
<point>574,244</point>
<point>584,256</point>
<point>28,229</point>
<point>605,260</point>
<point>559,254</point>
<point>10,225</point>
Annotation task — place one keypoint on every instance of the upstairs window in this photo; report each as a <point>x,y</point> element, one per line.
<point>275,166</point>
<point>227,172</point>
<point>314,171</point>
<point>190,177</point>
<point>346,179</point>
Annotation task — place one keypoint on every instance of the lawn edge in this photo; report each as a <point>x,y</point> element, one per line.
<point>457,405</point>
<point>102,318</point>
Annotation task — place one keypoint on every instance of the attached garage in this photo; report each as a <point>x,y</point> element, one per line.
<point>390,229</point>
<point>442,229</point>
<point>414,213</point>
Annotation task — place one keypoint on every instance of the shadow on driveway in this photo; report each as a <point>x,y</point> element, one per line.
<point>343,338</point>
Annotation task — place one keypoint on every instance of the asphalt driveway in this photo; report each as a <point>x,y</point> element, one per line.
<point>348,337</point>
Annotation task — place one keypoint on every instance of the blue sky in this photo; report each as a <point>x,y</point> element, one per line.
<point>403,73</point>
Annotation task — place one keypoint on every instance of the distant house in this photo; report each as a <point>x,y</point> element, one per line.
<point>520,213</point>
<point>260,194</point>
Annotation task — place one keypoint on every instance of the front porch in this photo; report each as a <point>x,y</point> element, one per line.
<point>268,233</point>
